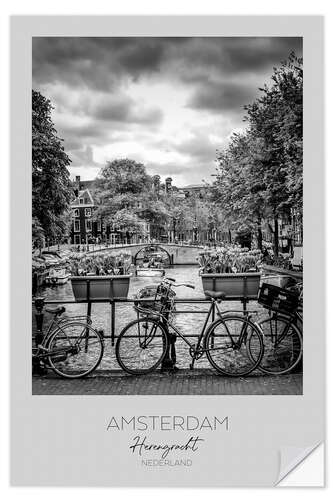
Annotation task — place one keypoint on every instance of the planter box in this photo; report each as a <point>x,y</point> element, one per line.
<point>100,288</point>
<point>233,285</point>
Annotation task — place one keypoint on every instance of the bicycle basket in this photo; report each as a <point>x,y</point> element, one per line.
<point>277,299</point>
<point>150,300</point>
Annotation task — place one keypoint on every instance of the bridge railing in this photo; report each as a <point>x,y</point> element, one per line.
<point>112,335</point>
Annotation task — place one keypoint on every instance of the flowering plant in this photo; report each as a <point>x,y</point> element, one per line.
<point>229,259</point>
<point>101,264</point>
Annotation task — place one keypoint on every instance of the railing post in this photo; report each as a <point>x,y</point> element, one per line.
<point>169,360</point>
<point>39,305</point>
<point>37,368</point>
<point>88,315</point>
<point>113,317</point>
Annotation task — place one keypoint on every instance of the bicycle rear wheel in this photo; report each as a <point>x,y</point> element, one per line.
<point>283,345</point>
<point>228,343</point>
<point>141,346</point>
<point>76,349</point>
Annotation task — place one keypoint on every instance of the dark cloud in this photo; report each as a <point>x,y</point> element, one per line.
<point>91,132</point>
<point>102,63</point>
<point>226,96</point>
<point>125,109</point>
<point>198,147</point>
<point>99,63</point>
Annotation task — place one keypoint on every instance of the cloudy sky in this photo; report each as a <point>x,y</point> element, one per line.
<point>166,102</point>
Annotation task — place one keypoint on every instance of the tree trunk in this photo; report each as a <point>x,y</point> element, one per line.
<point>259,236</point>
<point>276,237</point>
<point>229,236</point>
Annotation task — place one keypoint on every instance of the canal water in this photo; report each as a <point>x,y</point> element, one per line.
<point>189,324</point>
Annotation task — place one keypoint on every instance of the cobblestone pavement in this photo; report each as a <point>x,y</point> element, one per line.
<point>196,382</point>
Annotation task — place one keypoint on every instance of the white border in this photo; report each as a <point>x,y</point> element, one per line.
<point>210,7</point>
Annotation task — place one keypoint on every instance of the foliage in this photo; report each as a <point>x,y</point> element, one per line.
<point>101,264</point>
<point>229,259</point>
<point>128,221</point>
<point>123,176</point>
<point>259,174</point>
<point>37,233</point>
<point>51,189</point>
<point>125,197</point>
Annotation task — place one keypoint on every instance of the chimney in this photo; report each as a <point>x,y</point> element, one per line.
<point>77,185</point>
<point>168,187</point>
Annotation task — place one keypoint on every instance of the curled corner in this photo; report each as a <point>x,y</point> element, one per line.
<point>291,457</point>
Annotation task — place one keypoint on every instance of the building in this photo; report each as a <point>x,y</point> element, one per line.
<point>83,228</point>
<point>86,229</point>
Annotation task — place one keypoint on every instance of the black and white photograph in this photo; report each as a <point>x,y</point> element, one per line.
<point>167,215</point>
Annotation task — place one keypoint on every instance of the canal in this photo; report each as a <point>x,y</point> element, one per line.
<point>190,324</point>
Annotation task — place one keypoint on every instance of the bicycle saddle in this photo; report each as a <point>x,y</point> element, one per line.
<point>214,295</point>
<point>55,310</point>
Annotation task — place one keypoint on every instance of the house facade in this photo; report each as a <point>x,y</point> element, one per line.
<point>83,228</point>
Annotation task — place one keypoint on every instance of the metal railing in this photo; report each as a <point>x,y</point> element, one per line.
<point>39,307</point>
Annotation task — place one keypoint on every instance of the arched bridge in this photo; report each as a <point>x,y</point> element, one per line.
<point>179,254</point>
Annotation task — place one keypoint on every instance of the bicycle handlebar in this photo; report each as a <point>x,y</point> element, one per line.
<point>178,284</point>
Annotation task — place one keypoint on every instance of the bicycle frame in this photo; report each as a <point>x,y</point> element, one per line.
<point>291,320</point>
<point>57,325</point>
<point>163,319</point>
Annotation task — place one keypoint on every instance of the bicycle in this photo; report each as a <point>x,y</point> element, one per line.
<point>143,343</point>
<point>282,336</point>
<point>70,347</point>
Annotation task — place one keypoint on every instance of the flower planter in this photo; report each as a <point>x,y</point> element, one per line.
<point>100,288</point>
<point>236,285</point>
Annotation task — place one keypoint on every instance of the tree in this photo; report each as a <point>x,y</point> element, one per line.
<point>123,187</point>
<point>51,188</point>
<point>38,236</point>
<point>259,174</point>
<point>123,176</point>
<point>238,188</point>
<point>129,223</point>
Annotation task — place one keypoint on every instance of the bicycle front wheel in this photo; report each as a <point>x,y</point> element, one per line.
<point>229,342</point>
<point>76,349</point>
<point>141,346</point>
<point>283,345</point>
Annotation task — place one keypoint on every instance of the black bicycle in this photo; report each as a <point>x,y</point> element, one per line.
<point>70,347</point>
<point>282,329</point>
<point>232,343</point>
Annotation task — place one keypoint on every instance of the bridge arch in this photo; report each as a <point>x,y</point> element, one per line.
<point>150,249</point>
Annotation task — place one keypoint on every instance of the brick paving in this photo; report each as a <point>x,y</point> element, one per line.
<point>196,382</point>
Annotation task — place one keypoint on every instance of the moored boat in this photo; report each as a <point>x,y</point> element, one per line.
<point>150,271</point>
<point>57,277</point>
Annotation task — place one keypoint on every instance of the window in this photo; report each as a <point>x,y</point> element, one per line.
<point>81,201</point>
<point>76,225</point>
<point>76,212</point>
<point>88,225</point>
<point>87,212</point>
<point>99,226</point>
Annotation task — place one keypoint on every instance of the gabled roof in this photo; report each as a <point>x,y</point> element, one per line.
<point>86,195</point>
